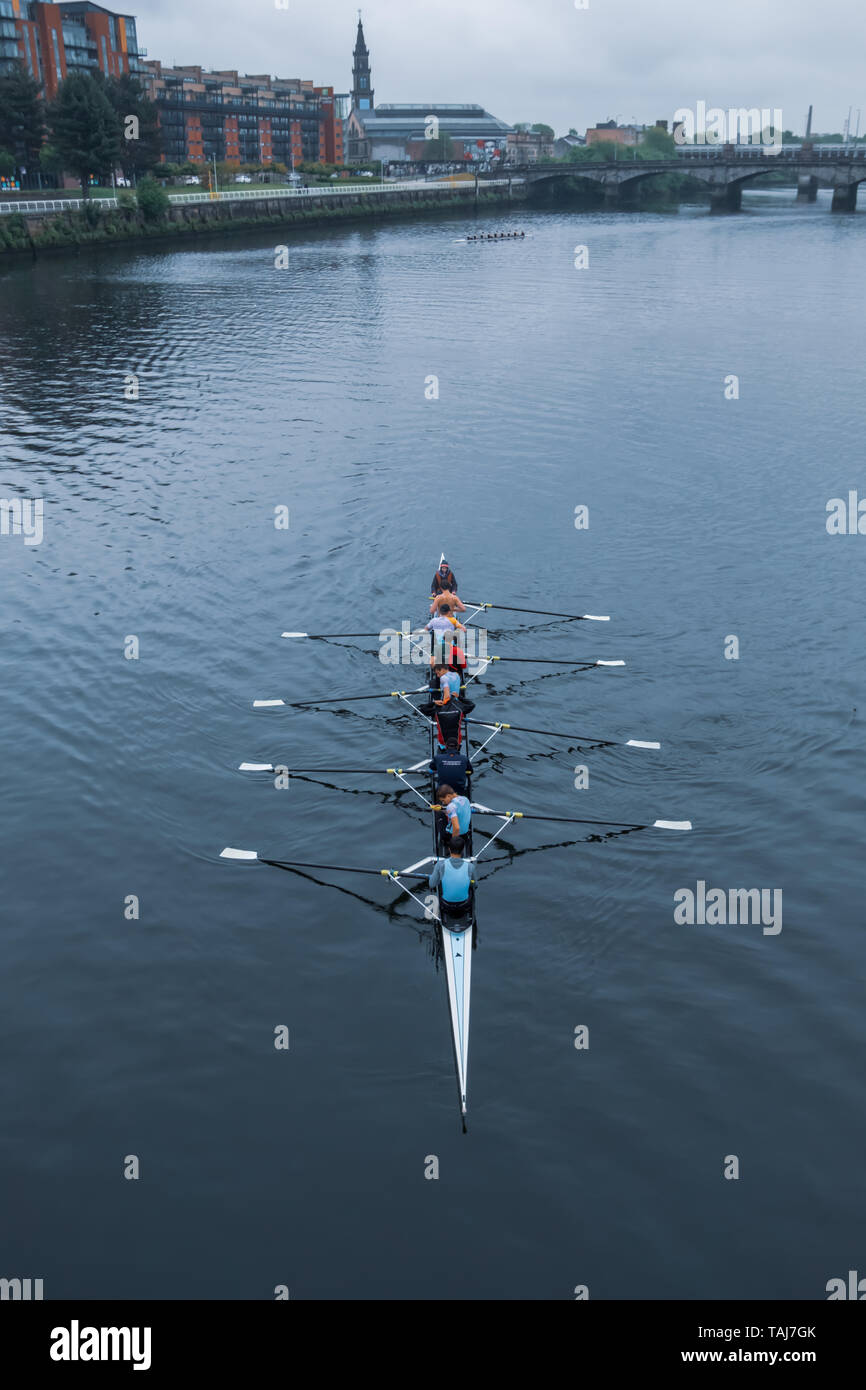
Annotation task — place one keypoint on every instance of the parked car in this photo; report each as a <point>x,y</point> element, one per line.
<point>192,178</point>
<point>367,174</point>
<point>243,178</point>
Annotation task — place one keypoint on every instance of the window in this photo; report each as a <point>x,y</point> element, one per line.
<point>363,84</point>
<point>56,55</point>
<point>105,67</point>
<point>29,53</point>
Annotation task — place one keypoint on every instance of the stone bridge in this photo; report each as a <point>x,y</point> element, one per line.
<point>724,169</point>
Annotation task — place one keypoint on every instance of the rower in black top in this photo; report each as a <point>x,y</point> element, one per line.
<point>452,766</point>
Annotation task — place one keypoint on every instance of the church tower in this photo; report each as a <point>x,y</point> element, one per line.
<point>362,83</point>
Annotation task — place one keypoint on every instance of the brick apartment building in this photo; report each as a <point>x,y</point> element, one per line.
<point>250,119</point>
<point>55,40</point>
<point>247,119</point>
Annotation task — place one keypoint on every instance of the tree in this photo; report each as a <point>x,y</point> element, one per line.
<point>658,143</point>
<point>84,128</point>
<point>21,116</point>
<point>152,200</point>
<point>50,162</point>
<point>7,164</point>
<point>140,143</point>
<point>541,129</point>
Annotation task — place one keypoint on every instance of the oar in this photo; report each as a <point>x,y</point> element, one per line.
<point>544,613</point>
<point>339,699</point>
<point>578,820</point>
<point>551,661</point>
<point>250,855</point>
<point>320,636</point>
<point>347,771</point>
<point>575,738</point>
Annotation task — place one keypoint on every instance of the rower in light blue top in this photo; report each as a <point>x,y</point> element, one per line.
<point>454,876</point>
<point>457,811</point>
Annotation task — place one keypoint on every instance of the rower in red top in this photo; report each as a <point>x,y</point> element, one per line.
<point>444,579</point>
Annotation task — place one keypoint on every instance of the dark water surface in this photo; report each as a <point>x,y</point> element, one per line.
<point>306,387</point>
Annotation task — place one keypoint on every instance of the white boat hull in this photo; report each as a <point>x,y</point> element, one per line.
<point>457,949</point>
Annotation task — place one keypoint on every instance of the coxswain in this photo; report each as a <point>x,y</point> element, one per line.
<point>454,878</point>
<point>443,579</point>
<point>455,812</point>
<point>452,767</point>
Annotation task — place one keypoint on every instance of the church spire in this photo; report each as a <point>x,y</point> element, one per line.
<point>362,82</point>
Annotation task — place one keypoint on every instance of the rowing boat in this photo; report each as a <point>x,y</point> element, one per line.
<point>456,936</point>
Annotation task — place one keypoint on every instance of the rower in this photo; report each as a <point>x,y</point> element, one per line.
<point>454,813</point>
<point>448,725</point>
<point>444,578</point>
<point>452,767</point>
<point>442,624</point>
<point>454,878</point>
<point>449,684</point>
<point>454,602</point>
<point>449,709</point>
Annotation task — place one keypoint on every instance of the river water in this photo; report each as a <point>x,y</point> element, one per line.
<point>308,388</point>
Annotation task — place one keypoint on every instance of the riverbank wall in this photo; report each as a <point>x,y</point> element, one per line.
<point>32,233</point>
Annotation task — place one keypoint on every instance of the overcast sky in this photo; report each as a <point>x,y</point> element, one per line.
<point>542,60</point>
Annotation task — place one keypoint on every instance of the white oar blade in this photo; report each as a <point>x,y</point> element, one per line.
<point>294,634</point>
<point>421,862</point>
<point>640,743</point>
<point>255,767</point>
<point>595,618</point>
<point>267,704</point>
<point>610,663</point>
<point>672,825</point>
<point>239,854</point>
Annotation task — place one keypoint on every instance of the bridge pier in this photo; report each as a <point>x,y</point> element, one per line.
<point>728,198</point>
<point>845,198</point>
<point>619,195</point>
<point>807,188</point>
